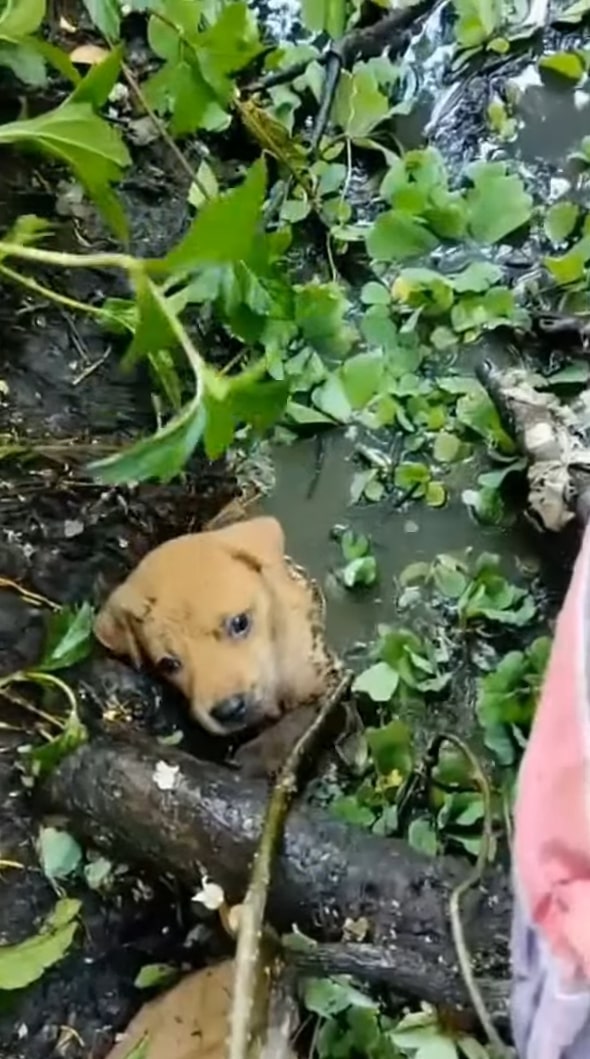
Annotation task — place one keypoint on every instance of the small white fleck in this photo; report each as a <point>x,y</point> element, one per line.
<point>165,776</point>
<point>211,895</point>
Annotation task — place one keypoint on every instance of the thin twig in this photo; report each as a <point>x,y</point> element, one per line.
<point>473,878</point>
<point>247,968</point>
<point>34,598</point>
<point>51,295</point>
<point>163,132</point>
<point>91,368</point>
<point>364,43</point>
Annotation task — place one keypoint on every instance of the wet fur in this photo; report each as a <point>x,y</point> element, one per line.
<point>176,602</point>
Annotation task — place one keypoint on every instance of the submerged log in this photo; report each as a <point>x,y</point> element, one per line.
<point>163,809</point>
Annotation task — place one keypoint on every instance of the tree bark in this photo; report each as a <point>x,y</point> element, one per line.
<point>165,810</point>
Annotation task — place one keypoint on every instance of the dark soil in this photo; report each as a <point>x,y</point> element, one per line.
<point>65,537</point>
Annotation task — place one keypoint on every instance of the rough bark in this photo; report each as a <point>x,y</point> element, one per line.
<point>326,872</point>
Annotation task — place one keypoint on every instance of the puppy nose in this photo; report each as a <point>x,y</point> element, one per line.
<point>231,711</point>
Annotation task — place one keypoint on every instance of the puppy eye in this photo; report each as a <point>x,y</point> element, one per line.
<point>239,625</point>
<point>168,665</point>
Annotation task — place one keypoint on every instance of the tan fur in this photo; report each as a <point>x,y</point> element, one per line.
<point>177,602</point>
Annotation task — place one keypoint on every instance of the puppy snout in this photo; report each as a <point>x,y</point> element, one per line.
<point>232,711</point>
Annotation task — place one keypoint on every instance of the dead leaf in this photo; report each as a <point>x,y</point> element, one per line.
<point>190,1021</point>
<point>88,54</point>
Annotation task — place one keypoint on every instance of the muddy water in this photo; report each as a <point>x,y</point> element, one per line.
<point>398,536</point>
<point>553,117</point>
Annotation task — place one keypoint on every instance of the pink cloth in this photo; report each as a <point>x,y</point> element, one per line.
<point>551,923</point>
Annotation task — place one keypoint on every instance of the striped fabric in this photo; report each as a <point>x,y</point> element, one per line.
<point>551,921</point>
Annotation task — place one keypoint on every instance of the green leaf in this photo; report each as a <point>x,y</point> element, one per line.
<point>359,105</point>
<point>379,682</point>
<point>574,13</point>
<point>436,494</point>
<point>560,221</point>
<point>347,808</point>
<point>570,267</point>
<point>320,311</point>
<point>153,329</point>
<point>391,747</point>
<point>162,456</point>
<point>478,21</point>
<point>328,15</point>
<point>24,963</point>
<point>96,87</point>
<point>361,571</point>
<point>69,638</point>
<point>447,447</point>
<point>106,16</point>
<point>422,836</point>
<point>92,148</point>
<point>19,18</point>
<point>568,64</point>
<point>225,227</point>
<point>155,974</point>
<point>498,203</point>
<point>330,996</point>
<point>399,236</point>
<point>59,853</point>
<point>43,759</point>
<point>477,278</point>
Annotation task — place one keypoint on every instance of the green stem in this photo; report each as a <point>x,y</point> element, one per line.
<point>51,295</point>
<point>66,260</point>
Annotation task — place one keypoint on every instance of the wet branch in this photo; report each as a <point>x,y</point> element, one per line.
<point>248,965</point>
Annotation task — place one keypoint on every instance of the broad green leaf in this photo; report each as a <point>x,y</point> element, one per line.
<point>560,220</point>
<point>162,456</point>
<point>435,494</point>
<point>328,15</point>
<point>476,278</point>
<point>398,236</point>
<point>225,227</point>
<point>498,203</point>
<point>24,963</point>
<point>570,267</point>
<point>568,64</point>
<point>379,682</point>
<point>478,21</point>
<point>19,51</point>
<point>391,748</point>
<point>153,330</point>
<point>25,61</point>
<point>59,853</point>
<point>574,13</point>
<point>347,808</point>
<point>422,836</point>
<point>106,15</point>
<point>74,134</point>
<point>155,974</point>
<point>69,638</point>
<point>96,87</point>
<point>359,105</point>
<point>320,311</point>
<point>19,18</point>
<point>329,996</point>
<point>447,447</point>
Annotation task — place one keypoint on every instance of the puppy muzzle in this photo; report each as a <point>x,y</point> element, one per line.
<point>236,712</point>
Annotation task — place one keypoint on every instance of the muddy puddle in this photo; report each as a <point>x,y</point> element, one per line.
<point>398,536</point>
<point>72,541</point>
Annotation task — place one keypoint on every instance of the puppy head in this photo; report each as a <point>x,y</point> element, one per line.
<point>203,610</point>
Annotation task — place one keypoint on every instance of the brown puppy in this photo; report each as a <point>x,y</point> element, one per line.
<point>228,620</point>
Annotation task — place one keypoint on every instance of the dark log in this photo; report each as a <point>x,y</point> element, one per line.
<point>326,873</point>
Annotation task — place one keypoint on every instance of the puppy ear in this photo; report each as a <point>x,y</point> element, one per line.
<point>259,541</point>
<point>116,624</point>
